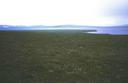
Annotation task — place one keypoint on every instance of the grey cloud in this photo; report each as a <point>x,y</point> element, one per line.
<point>118,10</point>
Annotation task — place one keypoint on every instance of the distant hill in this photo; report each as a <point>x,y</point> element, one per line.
<point>42,27</point>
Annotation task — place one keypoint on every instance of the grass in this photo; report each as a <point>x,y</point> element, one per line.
<point>59,57</point>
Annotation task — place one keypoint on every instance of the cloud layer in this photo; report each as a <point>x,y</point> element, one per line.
<point>56,12</point>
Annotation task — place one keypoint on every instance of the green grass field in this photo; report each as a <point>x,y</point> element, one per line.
<point>62,57</point>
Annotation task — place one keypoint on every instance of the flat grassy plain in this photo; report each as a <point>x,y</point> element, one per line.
<point>62,57</point>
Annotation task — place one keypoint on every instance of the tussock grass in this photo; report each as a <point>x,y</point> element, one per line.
<point>59,57</point>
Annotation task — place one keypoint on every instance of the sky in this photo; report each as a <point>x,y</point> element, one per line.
<point>63,12</point>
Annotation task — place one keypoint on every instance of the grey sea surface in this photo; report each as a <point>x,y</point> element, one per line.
<point>113,30</point>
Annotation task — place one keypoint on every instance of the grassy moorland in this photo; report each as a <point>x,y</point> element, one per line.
<point>62,57</point>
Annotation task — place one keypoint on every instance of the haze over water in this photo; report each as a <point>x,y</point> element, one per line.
<point>113,30</point>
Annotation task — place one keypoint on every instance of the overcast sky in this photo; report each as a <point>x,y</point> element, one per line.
<point>60,12</point>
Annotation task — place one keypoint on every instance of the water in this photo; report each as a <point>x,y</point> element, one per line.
<point>119,30</point>
<point>111,31</point>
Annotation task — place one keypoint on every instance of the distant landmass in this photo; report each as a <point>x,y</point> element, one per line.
<point>59,27</point>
